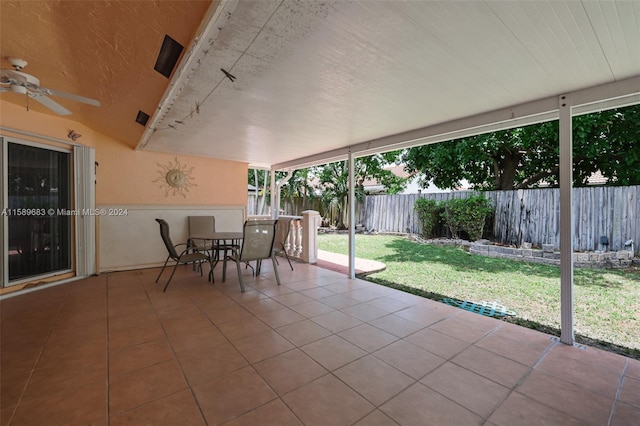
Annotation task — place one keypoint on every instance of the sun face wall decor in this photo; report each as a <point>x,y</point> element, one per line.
<point>175,179</point>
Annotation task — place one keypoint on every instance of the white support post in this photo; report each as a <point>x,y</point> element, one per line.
<point>566,221</point>
<point>275,203</point>
<point>352,218</point>
<point>310,224</point>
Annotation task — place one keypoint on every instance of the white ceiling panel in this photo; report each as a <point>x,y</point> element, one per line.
<point>319,76</point>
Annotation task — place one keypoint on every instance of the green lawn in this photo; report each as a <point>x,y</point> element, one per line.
<point>606,302</point>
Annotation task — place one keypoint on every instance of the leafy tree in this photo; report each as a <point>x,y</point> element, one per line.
<point>334,180</point>
<point>260,179</point>
<point>334,184</point>
<point>525,157</point>
<point>299,185</point>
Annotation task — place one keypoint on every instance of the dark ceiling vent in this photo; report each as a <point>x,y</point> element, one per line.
<point>142,118</point>
<point>168,56</point>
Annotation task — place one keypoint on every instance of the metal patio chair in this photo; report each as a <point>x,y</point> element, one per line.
<point>182,258</point>
<point>257,244</point>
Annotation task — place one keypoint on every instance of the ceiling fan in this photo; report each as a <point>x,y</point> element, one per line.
<point>22,83</point>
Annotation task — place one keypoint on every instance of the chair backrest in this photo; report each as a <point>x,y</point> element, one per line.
<point>258,236</point>
<point>282,233</point>
<point>201,224</point>
<point>166,238</point>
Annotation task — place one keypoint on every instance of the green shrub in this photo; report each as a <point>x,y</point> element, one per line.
<point>466,214</point>
<point>427,211</point>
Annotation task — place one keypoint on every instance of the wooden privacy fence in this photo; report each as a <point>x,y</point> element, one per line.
<point>530,215</point>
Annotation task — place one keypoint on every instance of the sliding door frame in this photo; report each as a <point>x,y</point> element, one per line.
<point>83,226</point>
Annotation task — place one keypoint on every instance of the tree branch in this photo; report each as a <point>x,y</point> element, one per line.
<point>536,177</point>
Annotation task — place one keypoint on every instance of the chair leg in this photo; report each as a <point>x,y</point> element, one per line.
<point>240,276</point>
<point>224,266</point>
<point>170,277</point>
<point>254,272</point>
<point>213,280</point>
<point>288,260</point>
<point>275,267</point>
<point>163,266</point>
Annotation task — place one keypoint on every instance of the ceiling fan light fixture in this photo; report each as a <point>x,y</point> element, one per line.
<point>168,56</point>
<point>21,90</point>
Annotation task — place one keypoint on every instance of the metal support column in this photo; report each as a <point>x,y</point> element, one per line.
<point>352,217</point>
<point>275,208</point>
<point>566,221</point>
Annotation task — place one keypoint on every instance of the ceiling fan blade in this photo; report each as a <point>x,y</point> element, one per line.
<point>49,103</point>
<point>73,97</point>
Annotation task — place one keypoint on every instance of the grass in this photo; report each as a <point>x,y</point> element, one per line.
<point>606,302</point>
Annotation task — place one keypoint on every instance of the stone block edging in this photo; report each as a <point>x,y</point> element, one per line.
<point>597,259</point>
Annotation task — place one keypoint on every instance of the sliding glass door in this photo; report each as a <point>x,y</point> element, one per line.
<point>38,195</point>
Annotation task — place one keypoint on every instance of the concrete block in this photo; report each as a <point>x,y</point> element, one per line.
<point>547,248</point>
<point>527,252</point>
<point>476,248</point>
<point>581,257</point>
<point>624,255</point>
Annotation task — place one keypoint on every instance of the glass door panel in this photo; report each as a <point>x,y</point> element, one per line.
<point>39,190</point>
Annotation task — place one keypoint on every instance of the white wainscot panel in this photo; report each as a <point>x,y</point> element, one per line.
<point>132,240</point>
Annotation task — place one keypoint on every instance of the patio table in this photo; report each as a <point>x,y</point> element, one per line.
<point>219,243</point>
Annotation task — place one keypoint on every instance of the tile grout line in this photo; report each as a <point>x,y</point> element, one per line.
<point>108,275</point>
<point>249,364</point>
<point>175,355</point>
<point>618,391</point>
<point>552,345</point>
<point>35,365</point>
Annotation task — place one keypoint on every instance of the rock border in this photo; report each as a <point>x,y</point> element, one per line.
<point>547,255</point>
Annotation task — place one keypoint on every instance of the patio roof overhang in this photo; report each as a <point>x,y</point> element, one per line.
<point>599,98</point>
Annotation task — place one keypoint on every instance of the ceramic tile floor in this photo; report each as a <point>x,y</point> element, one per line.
<point>318,350</point>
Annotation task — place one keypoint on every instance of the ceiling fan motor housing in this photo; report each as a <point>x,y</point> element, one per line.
<point>21,78</point>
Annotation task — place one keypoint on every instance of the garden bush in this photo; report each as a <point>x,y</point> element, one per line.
<point>427,211</point>
<point>466,214</point>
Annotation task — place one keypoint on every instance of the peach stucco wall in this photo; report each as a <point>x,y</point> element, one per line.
<point>125,176</point>
<point>137,177</point>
